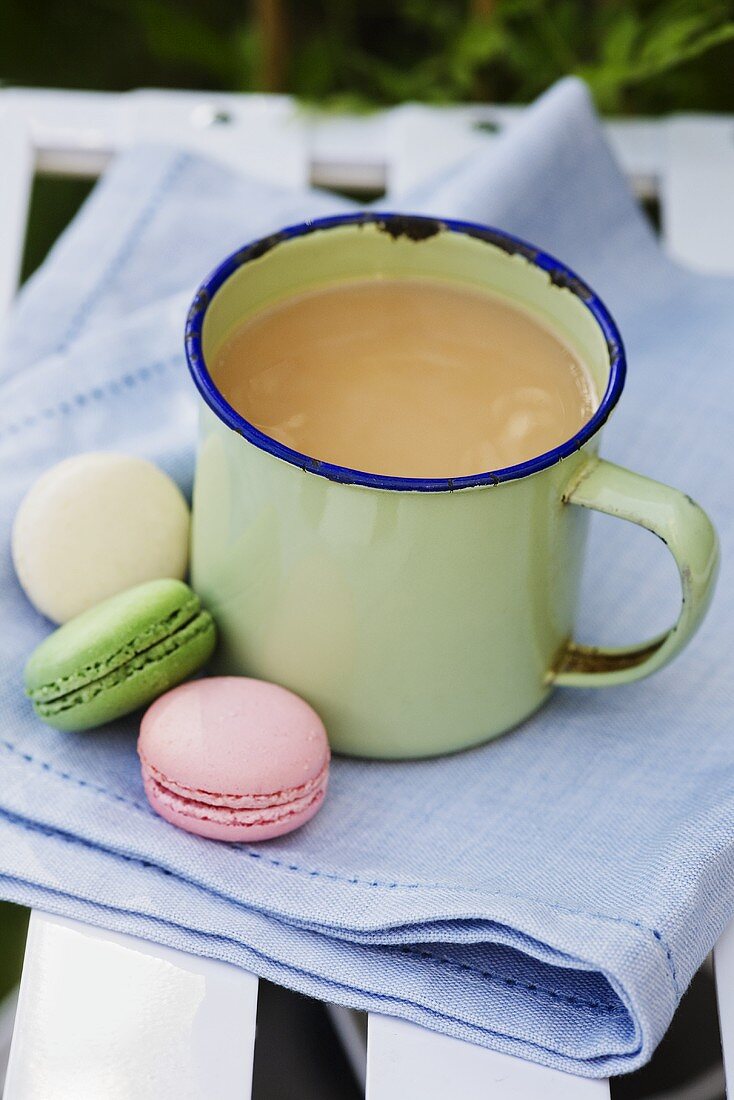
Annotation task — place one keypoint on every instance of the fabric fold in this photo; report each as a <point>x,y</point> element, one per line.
<point>548,895</point>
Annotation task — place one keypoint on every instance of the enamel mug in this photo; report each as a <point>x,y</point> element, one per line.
<point>418,616</point>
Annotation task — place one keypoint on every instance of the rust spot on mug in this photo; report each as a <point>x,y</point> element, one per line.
<point>417,227</point>
<point>583,658</point>
<point>200,302</point>
<point>403,225</point>
<point>259,248</point>
<point>566,281</point>
<point>507,244</point>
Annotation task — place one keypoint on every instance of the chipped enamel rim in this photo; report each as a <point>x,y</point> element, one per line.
<point>419,228</point>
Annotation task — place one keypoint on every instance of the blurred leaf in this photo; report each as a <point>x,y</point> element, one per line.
<point>245,47</point>
<point>441,18</point>
<point>480,42</point>
<point>315,70</point>
<point>619,43</point>
<point>665,48</point>
<point>666,40</point>
<point>173,34</point>
<point>657,58</point>
<point>638,55</point>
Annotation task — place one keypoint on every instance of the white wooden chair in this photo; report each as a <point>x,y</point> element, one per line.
<point>103,1015</point>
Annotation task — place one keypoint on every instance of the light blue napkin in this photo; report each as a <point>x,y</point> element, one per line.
<point>550,894</point>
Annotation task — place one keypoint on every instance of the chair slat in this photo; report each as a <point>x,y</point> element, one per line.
<point>697,192</point>
<point>405,1061</point>
<point>76,133</point>
<point>724,975</point>
<point>15,188</point>
<point>107,1015</point>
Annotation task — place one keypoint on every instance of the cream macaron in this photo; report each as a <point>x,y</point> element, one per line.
<point>95,525</point>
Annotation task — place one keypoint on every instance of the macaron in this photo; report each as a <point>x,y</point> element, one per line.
<point>95,525</point>
<point>119,655</point>
<point>232,758</point>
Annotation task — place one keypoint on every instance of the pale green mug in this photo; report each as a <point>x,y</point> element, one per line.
<point>417,616</point>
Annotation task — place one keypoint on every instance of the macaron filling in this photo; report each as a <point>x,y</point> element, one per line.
<point>148,647</point>
<point>236,801</point>
<point>236,809</point>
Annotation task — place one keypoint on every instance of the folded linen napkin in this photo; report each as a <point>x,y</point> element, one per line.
<point>548,895</point>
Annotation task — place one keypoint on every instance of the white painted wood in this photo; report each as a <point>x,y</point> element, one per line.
<point>639,146</point>
<point>351,1027</point>
<point>262,135</point>
<point>406,1062</point>
<point>76,133</point>
<point>73,133</point>
<point>420,141</point>
<point>16,177</point>
<point>697,192</point>
<point>724,975</point>
<point>348,152</point>
<point>108,1015</point>
<point>423,141</point>
<point>8,1008</point>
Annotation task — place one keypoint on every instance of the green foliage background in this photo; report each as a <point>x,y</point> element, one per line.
<point>639,56</point>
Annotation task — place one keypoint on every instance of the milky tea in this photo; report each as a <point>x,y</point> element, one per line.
<point>408,377</point>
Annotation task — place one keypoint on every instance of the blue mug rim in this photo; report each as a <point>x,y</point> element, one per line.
<point>417,227</point>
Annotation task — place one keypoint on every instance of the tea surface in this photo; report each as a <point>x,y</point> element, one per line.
<point>411,378</point>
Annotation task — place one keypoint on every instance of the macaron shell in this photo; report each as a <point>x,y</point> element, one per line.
<point>231,758</point>
<point>239,826</point>
<point>234,735</point>
<point>138,682</point>
<point>94,525</point>
<point>107,635</point>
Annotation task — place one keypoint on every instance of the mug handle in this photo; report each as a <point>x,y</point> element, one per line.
<point>689,535</point>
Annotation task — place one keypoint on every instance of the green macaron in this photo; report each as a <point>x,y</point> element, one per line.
<point>119,655</point>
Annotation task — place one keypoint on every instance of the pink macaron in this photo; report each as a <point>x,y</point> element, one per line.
<point>233,759</point>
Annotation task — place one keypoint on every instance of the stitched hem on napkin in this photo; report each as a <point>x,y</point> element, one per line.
<point>430,979</point>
